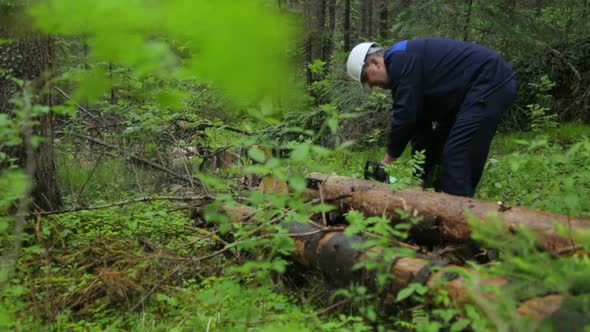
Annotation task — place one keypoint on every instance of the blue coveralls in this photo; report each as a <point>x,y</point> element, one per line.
<point>461,87</point>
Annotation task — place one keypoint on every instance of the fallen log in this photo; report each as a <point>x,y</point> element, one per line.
<point>444,215</point>
<point>335,255</point>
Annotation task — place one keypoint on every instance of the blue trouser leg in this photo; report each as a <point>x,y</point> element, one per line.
<point>468,144</point>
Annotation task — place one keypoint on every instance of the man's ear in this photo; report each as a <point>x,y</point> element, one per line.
<point>378,62</point>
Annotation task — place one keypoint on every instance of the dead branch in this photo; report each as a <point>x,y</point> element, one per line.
<point>569,64</point>
<point>202,126</point>
<point>332,307</point>
<point>210,155</point>
<point>206,199</point>
<point>155,165</point>
<point>104,151</point>
<point>326,199</point>
<point>82,108</point>
<point>178,268</point>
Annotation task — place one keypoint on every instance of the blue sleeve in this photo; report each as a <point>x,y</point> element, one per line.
<point>407,100</point>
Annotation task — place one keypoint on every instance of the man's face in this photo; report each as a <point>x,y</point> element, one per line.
<point>374,73</point>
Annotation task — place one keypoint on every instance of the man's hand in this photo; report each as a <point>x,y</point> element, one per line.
<point>387,159</point>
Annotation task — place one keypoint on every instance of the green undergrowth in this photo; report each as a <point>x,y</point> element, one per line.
<point>548,171</point>
<point>87,179</point>
<point>94,270</point>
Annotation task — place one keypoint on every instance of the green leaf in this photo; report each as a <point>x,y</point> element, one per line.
<point>420,289</point>
<point>321,151</point>
<point>172,99</point>
<point>4,120</point>
<point>460,325</point>
<point>33,249</point>
<point>36,140</point>
<point>13,184</point>
<point>6,318</point>
<point>256,154</point>
<point>4,224</point>
<point>93,84</point>
<point>332,123</point>
<point>279,265</point>
<point>64,110</point>
<point>371,314</point>
<point>317,67</point>
<point>404,294</point>
<point>225,228</point>
<point>298,183</point>
<point>300,153</point>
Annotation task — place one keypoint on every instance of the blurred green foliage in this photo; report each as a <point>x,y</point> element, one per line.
<point>240,46</point>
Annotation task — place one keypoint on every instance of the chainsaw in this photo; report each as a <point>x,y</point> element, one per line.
<point>376,171</point>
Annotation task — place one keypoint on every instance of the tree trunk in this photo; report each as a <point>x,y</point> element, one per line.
<point>383,19</point>
<point>370,21</point>
<point>346,26</point>
<point>363,19</point>
<point>28,56</point>
<point>330,34</point>
<point>307,9</point>
<point>538,8</point>
<point>444,215</point>
<point>46,194</point>
<point>366,19</point>
<point>467,19</point>
<point>316,16</point>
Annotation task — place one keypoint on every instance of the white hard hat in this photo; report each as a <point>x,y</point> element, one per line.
<point>356,59</point>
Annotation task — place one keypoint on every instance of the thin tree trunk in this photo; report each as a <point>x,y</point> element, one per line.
<point>113,99</point>
<point>467,20</point>
<point>370,21</point>
<point>363,19</point>
<point>383,19</point>
<point>317,21</point>
<point>329,35</point>
<point>320,27</point>
<point>308,40</point>
<point>538,7</point>
<point>346,26</point>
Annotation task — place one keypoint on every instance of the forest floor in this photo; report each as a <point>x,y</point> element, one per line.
<point>151,266</point>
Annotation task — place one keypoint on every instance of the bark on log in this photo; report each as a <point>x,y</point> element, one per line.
<point>333,253</point>
<point>444,214</point>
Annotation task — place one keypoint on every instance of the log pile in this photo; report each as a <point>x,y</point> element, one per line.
<point>325,248</point>
<point>328,250</point>
<point>444,215</point>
